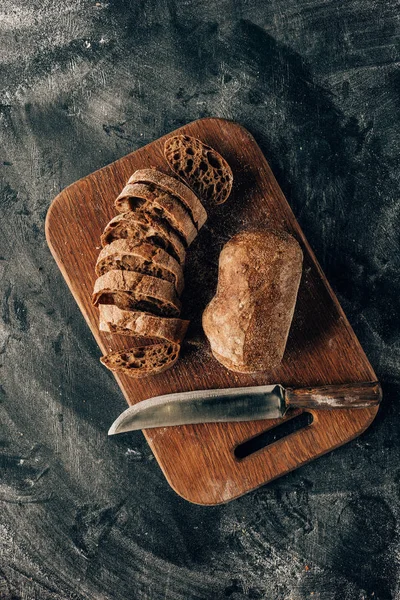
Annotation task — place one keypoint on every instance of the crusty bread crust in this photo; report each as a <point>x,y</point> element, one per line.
<point>139,226</point>
<point>129,290</point>
<point>158,203</point>
<point>143,360</point>
<point>175,187</point>
<point>248,320</point>
<point>232,366</point>
<point>127,255</point>
<point>137,323</point>
<point>200,166</point>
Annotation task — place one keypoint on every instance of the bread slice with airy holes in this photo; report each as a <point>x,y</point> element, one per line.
<point>135,291</point>
<point>148,198</point>
<point>137,323</point>
<point>138,226</point>
<point>200,166</point>
<point>142,361</point>
<point>175,187</point>
<point>127,255</point>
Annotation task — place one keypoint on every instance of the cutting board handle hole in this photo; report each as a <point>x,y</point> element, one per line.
<point>266,438</point>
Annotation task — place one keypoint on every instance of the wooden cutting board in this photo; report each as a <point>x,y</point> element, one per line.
<point>204,463</point>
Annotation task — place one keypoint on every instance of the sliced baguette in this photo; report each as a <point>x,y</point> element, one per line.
<point>138,226</point>
<point>142,361</point>
<point>127,255</point>
<point>158,203</point>
<point>177,188</point>
<point>136,323</point>
<point>129,291</point>
<point>200,166</point>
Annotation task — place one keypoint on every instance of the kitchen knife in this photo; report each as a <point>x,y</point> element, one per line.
<point>242,404</point>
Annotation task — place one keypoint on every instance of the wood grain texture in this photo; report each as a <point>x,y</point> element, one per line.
<point>348,395</point>
<point>199,460</point>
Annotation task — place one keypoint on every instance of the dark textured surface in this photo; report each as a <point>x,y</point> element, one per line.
<point>317,83</point>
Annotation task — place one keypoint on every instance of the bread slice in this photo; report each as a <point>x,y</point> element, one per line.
<point>136,323</point>
<point>156,202</point>
<point>142,361</point>
<point>129,291</point>
<point>177,188</point>
<point>127,255</point>
<point>138,226</point>
<point>200,166</point>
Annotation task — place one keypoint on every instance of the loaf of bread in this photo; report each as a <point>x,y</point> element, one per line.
<point>247,322</point>
<point>200,166</point>
<point>158,203</point>
<point>146,258</point>
<point>177,189</point>
<point>143,360</point>
<point>138,226</point>
<point>129,291</point>
<point>138,323</point>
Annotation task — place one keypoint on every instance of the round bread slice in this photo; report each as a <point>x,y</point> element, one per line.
<point>137,323</point>
<point>156,202</point>
<point>127,255</point>
<point>129,291</point>
<point>142,361</point>
<point>200,166</point>
<point>177,188</point>
<point>138,226</point>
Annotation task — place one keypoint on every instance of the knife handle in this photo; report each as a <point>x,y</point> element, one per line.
<point>341,395</point>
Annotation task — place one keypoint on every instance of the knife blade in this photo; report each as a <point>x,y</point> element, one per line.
<point>242,404</point>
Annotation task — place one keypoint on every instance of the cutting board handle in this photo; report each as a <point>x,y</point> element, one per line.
<point>341,395</point>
